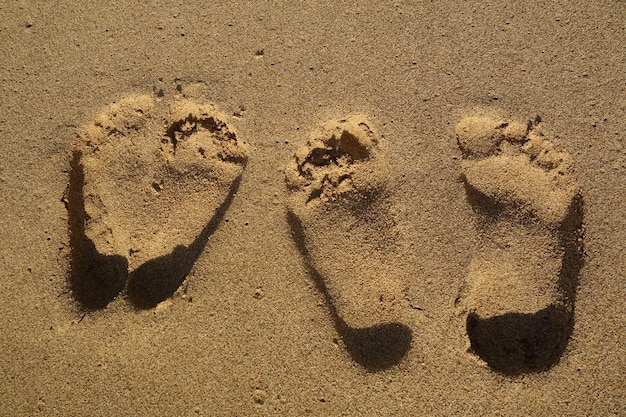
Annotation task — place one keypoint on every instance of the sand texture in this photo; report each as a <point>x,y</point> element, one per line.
<point>313,208</point>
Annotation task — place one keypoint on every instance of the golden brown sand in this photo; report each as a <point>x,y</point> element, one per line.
<point>313,209</point>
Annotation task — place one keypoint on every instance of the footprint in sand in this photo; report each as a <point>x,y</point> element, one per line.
<point>341,220</point>
<point>150,179</point>
<point>520,288</point>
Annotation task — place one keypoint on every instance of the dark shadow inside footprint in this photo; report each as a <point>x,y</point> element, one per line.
<point>571,239</point>
<point>480,202</point>
<point>375,348</point>
<point>378,347</point>
<point>95,279</point>
<point>516,343</point>
<point>159,278</point>
<point>490,209</point>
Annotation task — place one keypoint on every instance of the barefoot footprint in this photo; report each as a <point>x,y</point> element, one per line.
<point>519,297</point>
<point>150,178</point>
<point>340,215</point>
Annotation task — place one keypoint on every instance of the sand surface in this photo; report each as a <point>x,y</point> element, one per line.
<point>267,316</point>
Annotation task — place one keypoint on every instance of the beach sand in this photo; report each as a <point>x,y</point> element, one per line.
<point>322,208</point>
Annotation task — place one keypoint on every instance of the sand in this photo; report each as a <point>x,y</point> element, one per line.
<point>313,209</point>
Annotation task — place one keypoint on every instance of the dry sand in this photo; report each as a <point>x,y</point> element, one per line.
<point>378,222</point>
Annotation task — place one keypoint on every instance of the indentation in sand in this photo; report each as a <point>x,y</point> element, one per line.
<point>344,227</point>
<point>519,298</point>
<point>150,179</point>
